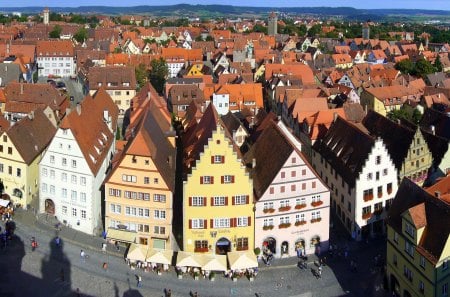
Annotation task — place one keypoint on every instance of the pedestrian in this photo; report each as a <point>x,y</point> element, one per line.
<point>57,241</point>
<point>34,244</point>
<point>320,271</point>
<point>105,266</point>
<point>139,281</point>
<point>82,255</point>
<point>78,292</point>
<point>104,247</point>
<point>168,292</point>
<point>117,246</point>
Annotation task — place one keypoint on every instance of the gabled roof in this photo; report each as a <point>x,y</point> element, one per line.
<point>434,215</point>
<point>346,148</point>
<point>31,135</point>
<point>89,128</point>
<point>231,122</point>
<point>112,78</point>
<point>271,145</point>
<point>396,137</point>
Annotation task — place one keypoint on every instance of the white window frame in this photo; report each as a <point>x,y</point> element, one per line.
<point>240,199</point>
<point>219,200</point>
<point>198,201</point>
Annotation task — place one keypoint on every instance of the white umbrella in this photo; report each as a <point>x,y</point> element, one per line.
<point>214,262</point>
<point>188,259</point>
<point>137,252</point>
<point>242,260</point>
<point>159,256</point>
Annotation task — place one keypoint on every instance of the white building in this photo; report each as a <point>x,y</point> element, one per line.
<point>55,58</point>
<point>75,164</point>
<point>360,174</point>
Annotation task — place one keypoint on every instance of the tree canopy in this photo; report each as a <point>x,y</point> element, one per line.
<point>81,35</point>
<point>158,74</point>
<point>56,32</point>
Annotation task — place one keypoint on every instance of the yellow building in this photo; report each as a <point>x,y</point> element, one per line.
<point>418,245</point>
<point>21,148</point>
<point>139,189</point>
<point>217,190</point>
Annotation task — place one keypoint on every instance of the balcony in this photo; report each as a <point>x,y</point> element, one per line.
<point>367,216</point>
<point>268,227</point>
<point>268,210</point>
<point>300,206</point>
<point>316,203</point>
<point>316,220</point>
<point>300,223</point>
<point>284,208</point>
<point>368,197</point>
<point>284,225</point>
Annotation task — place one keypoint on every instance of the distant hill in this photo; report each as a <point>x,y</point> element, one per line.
<point>181,10</point>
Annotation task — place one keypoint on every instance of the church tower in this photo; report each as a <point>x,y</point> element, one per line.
<point>272,24</point>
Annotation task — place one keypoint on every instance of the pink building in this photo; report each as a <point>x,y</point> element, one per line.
<point>292,204</point>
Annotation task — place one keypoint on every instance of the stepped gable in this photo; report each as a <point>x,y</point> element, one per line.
<point>396,137</point>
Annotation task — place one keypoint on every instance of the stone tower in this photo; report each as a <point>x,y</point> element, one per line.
<point>272,24</point>
<point>46,14</point>
<point>366,31</point>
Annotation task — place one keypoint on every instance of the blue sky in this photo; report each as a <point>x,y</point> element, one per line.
<point>420,4</point>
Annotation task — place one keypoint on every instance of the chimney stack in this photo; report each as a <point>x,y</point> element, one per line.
<point>253,163</point>
<point>78,108</point>
<point>335,116</point>
<point>437,194</point>
<point>21,88</point>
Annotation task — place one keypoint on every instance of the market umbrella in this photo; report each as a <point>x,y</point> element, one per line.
<point>137,252</point>
<point>214,262</point>
<point>188,259</point>
<point>159,256</point>
<point>242,260</point>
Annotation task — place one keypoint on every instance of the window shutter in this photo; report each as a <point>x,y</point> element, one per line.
<point>212,179</point>
<point>249,221</point>
<point>212,159</point>
<point>232,179</point>
<point>232,200</point>
<point>212,201</point>
<point>205,224</point>
<point>223,159</point>
<point>232,222</point>
<point>204,201</point>
<point>211,223</point>
<point>226,200</point>
<point>222,178</point>
<point>235,222</point>
<point>247,199</point>
<point>201,179</point>
<point>190,224</point>
<point>190,201</point>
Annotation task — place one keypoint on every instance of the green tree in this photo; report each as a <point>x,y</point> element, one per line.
<point>56,32</point>
<point>81,35</point>
<point>142,75</point>
<point>423,68</point>
<point>259,28</point>
<point>438,64</point>
<point>315,30</point>
<point>209,38</point>
<point>78,19</point>
<point>55,17</point>
<point>158,74</point>
<point>405,66</point>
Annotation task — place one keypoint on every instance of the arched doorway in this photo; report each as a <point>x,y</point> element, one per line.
<point>223,246</point>
<point>394,285</point>
<point>300,247</point>
<point>315,244</point>
<point>284,248</point>
<point>49,206</point>
<point>271,244</point>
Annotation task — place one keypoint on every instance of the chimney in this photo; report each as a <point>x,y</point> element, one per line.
<point>335,116</point>
<point>253,163</point>
<point>433,131</point>
<point>78,108</point>
<point>31,115</point>
<point>21,88</point>
<point>437,194</point>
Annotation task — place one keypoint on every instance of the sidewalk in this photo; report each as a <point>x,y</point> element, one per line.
<point>87,242</point>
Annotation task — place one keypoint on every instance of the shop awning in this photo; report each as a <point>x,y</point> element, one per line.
<point>242,260</point>
<point>137,252</point>
<point>214,262</point>
<point>159,256</point>
<point>121,235</point>
<point>186,259</point>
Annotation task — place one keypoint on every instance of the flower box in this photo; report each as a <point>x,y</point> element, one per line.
<point>366,216</point>
<point>242,248</point>
<point>285,225</point>
<point>380,195</point>
<point>316,203</point>
<point>270,227</point>
<point>300,206</point>
<point>284,208</point>
<point>368,197</point>
<point>300,223</point>
<point>268,210</point>
<point>201,250</point>
<point>316,220</point>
